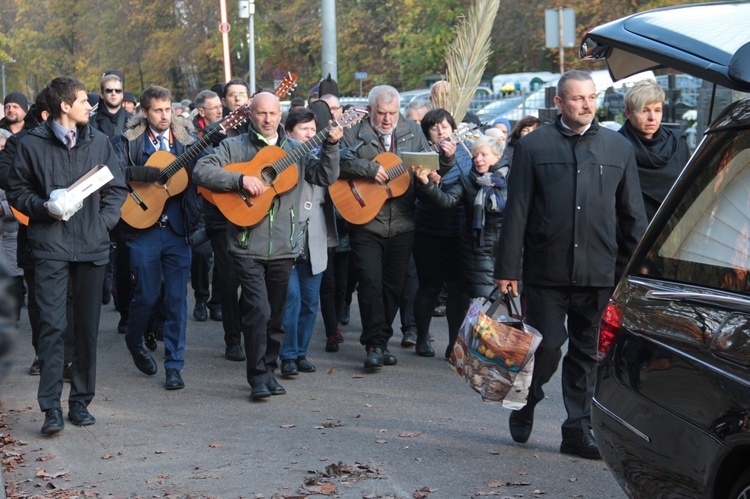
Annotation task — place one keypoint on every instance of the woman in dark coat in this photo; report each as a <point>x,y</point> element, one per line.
<point>482,192</point>
<point>661,153</point>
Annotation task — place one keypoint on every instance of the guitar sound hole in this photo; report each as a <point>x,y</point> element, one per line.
<point>268,175</point>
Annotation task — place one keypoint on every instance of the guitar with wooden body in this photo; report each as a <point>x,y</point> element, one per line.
<point>277,170</point>
<point>360,199</point>
<point>145,201</point>
<point>288,83</point>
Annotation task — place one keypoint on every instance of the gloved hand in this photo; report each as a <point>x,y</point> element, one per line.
<point>58,205</point>
<point>142,174</point>
<point>217,137</point>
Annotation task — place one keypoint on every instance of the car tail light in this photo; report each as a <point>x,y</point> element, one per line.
<point>609,329</point>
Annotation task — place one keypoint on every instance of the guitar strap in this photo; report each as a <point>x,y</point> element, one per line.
<point>157,143</point>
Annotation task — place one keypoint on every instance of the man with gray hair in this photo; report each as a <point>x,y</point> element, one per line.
<point>574,211</point>
<point>381,247</point>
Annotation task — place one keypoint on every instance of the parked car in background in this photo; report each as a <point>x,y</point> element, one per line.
<point>495,108</point>
<point>671,408</point>
<point>482,97</point>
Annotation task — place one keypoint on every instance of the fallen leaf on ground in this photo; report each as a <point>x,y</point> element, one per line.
<point>214,446</point>
<point>495,452</point>
<point>325,458</point>
<point>409,434</point>
<point>160,452</point>
<point>107,456</point>
<point>495,485</point>
<point>332,370</point>
<point>379,441</point>
<point>523,472</point>
<point>287,426</point>
<point>538,492</point>
<point>357,376</point>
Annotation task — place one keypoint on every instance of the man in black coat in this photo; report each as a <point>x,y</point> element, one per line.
<point>571,184</point>
<point>70,244</point>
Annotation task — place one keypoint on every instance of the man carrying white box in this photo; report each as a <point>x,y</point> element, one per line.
<point>59,179</point>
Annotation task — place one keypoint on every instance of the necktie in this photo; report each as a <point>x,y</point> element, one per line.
<point>164,143</point>
<point>70,139</point>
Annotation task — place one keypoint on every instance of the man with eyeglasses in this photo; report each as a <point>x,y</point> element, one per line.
<point>110,116</point>
<point>208,104</point>
<point>236,93</point>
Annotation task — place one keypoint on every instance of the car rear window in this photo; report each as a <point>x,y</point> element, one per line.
<point>706,240</point>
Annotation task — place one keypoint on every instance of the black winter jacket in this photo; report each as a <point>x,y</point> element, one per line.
<point>42,163</point>
<point>397,214</point>
<point>566,194</point>
<point>477,260</point>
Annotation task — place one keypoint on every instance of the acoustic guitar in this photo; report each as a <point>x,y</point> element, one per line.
<point>287,85</point>
<point>277,170</point>
<point>145,202</point>
<point>360,199</point>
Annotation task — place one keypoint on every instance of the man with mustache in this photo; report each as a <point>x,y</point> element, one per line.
<point>572,183</point>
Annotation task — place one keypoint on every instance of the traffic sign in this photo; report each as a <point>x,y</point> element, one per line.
<point>360,75</point>
<point>224,27</point>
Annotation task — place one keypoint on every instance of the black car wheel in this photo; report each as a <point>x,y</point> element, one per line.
<point>741,489</point>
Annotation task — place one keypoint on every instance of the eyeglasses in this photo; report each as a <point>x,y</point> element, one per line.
<point>336,108</point>
<point>237,94</point>
<point>113,90</point>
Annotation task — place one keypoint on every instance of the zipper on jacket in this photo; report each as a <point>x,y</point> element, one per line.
<point>244,237</point>
<point>601,176</point>
<point>271,213</point>
<point>293,231</point>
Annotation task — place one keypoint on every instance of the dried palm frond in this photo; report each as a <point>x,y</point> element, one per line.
<point>466,57</point>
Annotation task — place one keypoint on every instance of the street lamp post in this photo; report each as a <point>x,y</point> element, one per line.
<point>247,11</point>
<point>3,71</point>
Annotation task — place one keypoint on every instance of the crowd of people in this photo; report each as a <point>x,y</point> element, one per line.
<point>558,207</point>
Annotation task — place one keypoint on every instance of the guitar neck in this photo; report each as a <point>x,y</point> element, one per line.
<point>186,157</point>
<point>303,150</point>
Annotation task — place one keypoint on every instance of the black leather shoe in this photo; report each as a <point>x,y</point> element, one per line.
<point>79,415</point>
<point>583,445</point>
<point>332,345</point>
<point>174,380</point>
<point>374,358</point>
<point>216,314</point>
<point>424,349</point>
<point>520,423</point>
<point>235,353</point>
<point>304,366</point>
<point>53,421</point>
<point>409,339</point>
<point>199,312</point>
<point>149,339</point>
<point>260,391</point>
<point>143,361</point>
<point>274,387</point>
<point>388,358</point>
<point>289,368</point>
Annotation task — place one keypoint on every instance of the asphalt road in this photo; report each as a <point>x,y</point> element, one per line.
<point>339,431</point>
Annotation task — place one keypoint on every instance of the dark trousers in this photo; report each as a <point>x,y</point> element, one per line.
<point>264,287</point>
<point>156,252</point>
<point>33,309</point>
<point>226,285</point>
<point>381,264</point>
<point>408,294</point>
<point>547,308</point>
<point>333,290</point>
<point>201,278</point>
<point>52,278</point>
<point>123,278</point>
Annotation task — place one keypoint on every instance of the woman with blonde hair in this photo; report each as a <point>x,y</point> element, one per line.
<point>661,152</point>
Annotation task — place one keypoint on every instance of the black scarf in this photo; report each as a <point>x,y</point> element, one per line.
<point>660,159</point>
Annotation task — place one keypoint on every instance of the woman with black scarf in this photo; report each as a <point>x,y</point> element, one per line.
<point>661,153</point>
<point>482,191</point>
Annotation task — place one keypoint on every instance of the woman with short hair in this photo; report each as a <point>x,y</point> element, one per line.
<point>661,152</point>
